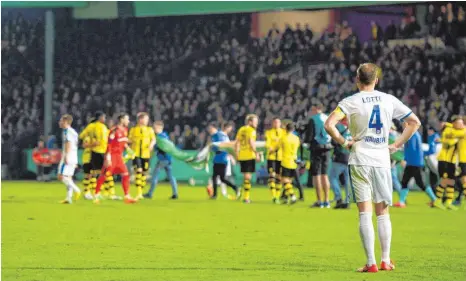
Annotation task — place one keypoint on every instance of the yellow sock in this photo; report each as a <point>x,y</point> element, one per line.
<point>86,184</point>
<point>247,189</point>
<point>144,181</point>
<point>289,189</point>
<point>450,194</point>
<point>439,190</point>
<point>278,188</point>
<point>110,183</point>
<point>139,183</point>
<point>93,184</point>
<point>272,187</point>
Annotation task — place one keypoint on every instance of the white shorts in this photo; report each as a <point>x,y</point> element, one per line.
<point>66,170</point>
<point>371,184</point>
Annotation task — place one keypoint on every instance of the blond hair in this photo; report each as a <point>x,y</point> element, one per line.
<point>250,117</point>
<point>67,118</point>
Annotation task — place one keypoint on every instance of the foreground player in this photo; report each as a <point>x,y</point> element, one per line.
<point>447,159</point>
<point>370,115</point>
<point>289,145</point>
<point>142,139</point>
<point>69,159</point>
<point>220,160</point>
<point>245,148</point>
<point>274,157</point>
<point>114,164</point>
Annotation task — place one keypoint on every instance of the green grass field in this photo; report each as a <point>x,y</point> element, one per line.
<point>197,239</point>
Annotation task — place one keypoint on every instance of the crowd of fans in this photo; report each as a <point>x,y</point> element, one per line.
<point>116,66</point>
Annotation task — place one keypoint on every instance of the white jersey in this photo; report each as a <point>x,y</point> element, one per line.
<point>370,116</point>
<point>71,136</point>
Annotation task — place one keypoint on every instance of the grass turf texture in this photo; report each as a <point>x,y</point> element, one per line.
<point>198,239</point>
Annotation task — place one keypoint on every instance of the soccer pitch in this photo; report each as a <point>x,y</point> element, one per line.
<point>198,239</point>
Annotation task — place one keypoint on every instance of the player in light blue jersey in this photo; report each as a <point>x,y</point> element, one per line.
<point>221,159</point>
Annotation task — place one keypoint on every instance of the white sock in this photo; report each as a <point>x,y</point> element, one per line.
<point>366,231</point>
<point>384,226</point>
<point>70,184</point>
<point>69,194</point>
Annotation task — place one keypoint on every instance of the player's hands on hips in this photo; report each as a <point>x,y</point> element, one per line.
<point>350,144</point>
<point>393,148</point>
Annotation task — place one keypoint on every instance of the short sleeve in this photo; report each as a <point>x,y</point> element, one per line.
<point>238,134</point>
<point>400,111</point>
<point>345,106</point>
<point>66,135</point>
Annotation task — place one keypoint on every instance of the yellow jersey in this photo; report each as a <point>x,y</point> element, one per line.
<point>272,139</point>
<point>450,144</point>
<point>244,136</point>
<point>97,131</point>
<point>289,144</point>
<point>462,147</point>
<point>86,157</point>
<point>141,138</point>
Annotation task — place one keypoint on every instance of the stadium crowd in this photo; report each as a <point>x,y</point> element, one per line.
<point>119,65</point>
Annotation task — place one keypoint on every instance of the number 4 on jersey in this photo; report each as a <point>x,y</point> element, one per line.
<point>374,121</point>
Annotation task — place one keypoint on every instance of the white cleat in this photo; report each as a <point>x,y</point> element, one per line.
<point>116,197</point>
<point>88,197</point>
<point>139,197</point>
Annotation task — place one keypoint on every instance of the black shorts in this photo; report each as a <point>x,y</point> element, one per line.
<point>248,166</point>
<point>220,170</point>
<point>320,159</point>
<point>463,169</point>
<point>97,161</point>
<point>446,170</point>
<point>274,166</point>
<point>288,173</point>
<point>413,172</point>
<point>87,168</point>
<point>143,163</point>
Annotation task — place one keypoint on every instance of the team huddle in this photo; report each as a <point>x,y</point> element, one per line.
<point>368,115</point>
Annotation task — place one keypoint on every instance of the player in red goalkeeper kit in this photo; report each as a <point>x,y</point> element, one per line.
<point>114,163</point>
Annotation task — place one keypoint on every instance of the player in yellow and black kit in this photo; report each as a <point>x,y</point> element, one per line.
<point>447,159</point>
<point>289,145</point>
<point>88,140</point>
<point>274,157</point>
<point>245,148</point>
<point>86,160</point>
<point>142,139</point>
<point>98,132</point>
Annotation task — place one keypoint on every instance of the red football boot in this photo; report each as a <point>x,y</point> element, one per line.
<point>129,200</point>
<point>399,205</point>
<point>387,266</point>
<point>369,268</point>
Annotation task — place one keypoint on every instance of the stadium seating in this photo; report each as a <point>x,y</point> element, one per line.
<point>192,70</point>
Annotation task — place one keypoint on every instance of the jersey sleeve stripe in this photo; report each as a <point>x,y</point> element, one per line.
<point>404,117</point>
